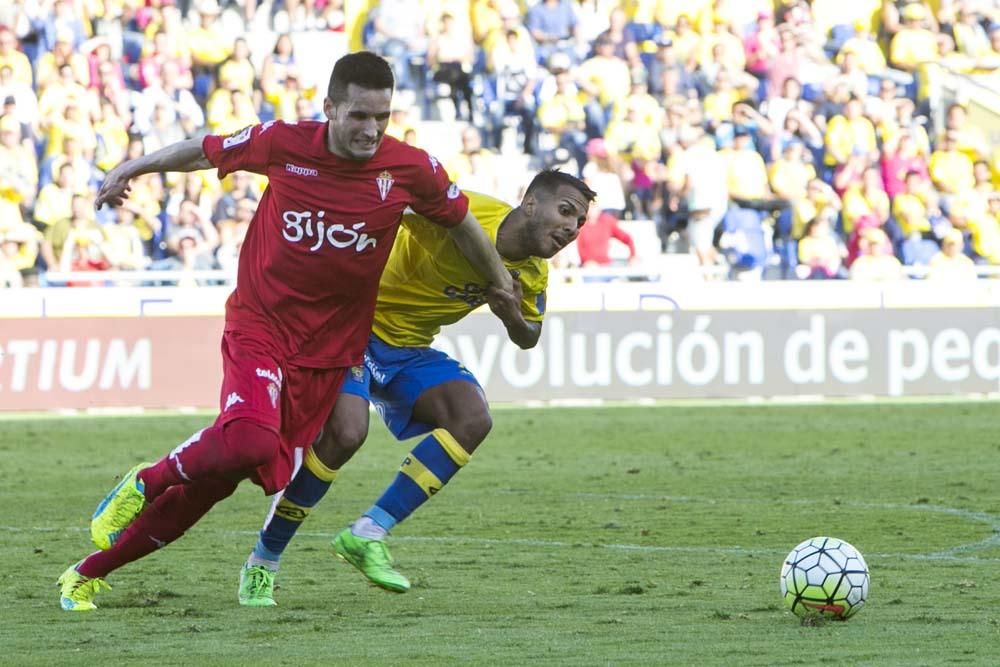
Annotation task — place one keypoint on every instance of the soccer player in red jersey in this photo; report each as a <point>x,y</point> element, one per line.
<point>302,309</point>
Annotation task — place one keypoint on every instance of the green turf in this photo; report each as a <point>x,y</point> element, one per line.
<point>649,535</point>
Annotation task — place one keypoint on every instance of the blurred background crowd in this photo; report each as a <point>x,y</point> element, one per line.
<point>762,138</point>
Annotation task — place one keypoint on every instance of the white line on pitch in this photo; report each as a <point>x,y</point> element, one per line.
<point>547,544</point>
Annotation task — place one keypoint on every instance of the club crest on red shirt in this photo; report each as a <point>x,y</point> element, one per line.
<point>384,182</point>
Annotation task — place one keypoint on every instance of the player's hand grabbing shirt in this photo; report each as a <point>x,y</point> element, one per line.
<point>428,284</point>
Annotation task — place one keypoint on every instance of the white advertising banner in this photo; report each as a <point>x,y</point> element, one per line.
<point>703,354</point>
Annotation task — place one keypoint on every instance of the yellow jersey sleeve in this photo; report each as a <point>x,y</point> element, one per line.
<point>428,283</point>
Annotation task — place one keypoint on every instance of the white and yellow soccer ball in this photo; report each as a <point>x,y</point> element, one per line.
<point>824,577</point>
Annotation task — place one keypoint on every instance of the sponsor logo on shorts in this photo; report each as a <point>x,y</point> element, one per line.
<point>377,375</point>
<point>270,375</point>
<point>300,171</point>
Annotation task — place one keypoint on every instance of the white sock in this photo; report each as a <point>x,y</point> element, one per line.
<point>365,527</point>
<point>253,560</point>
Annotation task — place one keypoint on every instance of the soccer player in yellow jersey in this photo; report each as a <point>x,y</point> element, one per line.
<point>419,391</point>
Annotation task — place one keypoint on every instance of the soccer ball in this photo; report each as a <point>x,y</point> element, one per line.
<point>824,577</point>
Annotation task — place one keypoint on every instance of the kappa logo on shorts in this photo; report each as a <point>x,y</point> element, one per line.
<point>384,182</point>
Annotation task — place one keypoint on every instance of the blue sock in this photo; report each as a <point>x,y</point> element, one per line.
<point>430,465</point>
<point>306,489</point>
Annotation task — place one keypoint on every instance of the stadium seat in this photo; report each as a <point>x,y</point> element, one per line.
<point>918,251</point>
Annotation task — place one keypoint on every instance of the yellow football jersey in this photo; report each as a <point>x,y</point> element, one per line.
<point>428,284</point>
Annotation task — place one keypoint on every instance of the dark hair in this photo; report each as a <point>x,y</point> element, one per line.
<point>551,179</point>
<point>274,51</point>
<point>364,69</point>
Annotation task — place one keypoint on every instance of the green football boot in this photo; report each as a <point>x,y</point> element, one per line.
<point>372,558</point>
<point>257,586</point>
<point>76,592</point>
<point>118,509</point>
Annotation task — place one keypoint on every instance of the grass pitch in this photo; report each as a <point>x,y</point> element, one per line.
<point>649,536</point>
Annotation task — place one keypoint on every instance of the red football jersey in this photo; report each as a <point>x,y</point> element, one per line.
<point>310,265</point>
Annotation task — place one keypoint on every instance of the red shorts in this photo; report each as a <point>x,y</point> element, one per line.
<point>292,401</point>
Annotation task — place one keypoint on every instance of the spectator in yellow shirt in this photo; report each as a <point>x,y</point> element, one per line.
<point>848,133</point>
<point>790,174</point>
<point>563,117</point>
<point>875,264</point>
<point>55,199</point>
<point>916,206</point>
<point>285,97</point>
<point>951,263</point>
<point>62,53</point>
<point>985,231</point>
<point>864,46</point>
<point>112,137</point>
<point>866,200</point>
<point>18,168</point>
<point>629,137</point>
<point>718,104</point>
<point>11,56</point>
<point>732,56</point>
<point>969,139</point>
<point>821,255</point>
<point>746,173</point>
<point>485,18</point>
<point>914,44</point>
<point>951,169</point>
<point>237,71</point>
<point>18,245</point>
<point>649,110</point>
<point>209,46</point>
<point>820,200</point>
<point>605,78</point>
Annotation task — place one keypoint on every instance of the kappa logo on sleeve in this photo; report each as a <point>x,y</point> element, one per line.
<point>434,163</point>
<point>237,138</point>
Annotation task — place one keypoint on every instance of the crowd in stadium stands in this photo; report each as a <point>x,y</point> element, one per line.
<point>782,138</point>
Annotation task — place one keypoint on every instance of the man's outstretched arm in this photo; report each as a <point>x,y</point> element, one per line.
<point>184,155</point>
